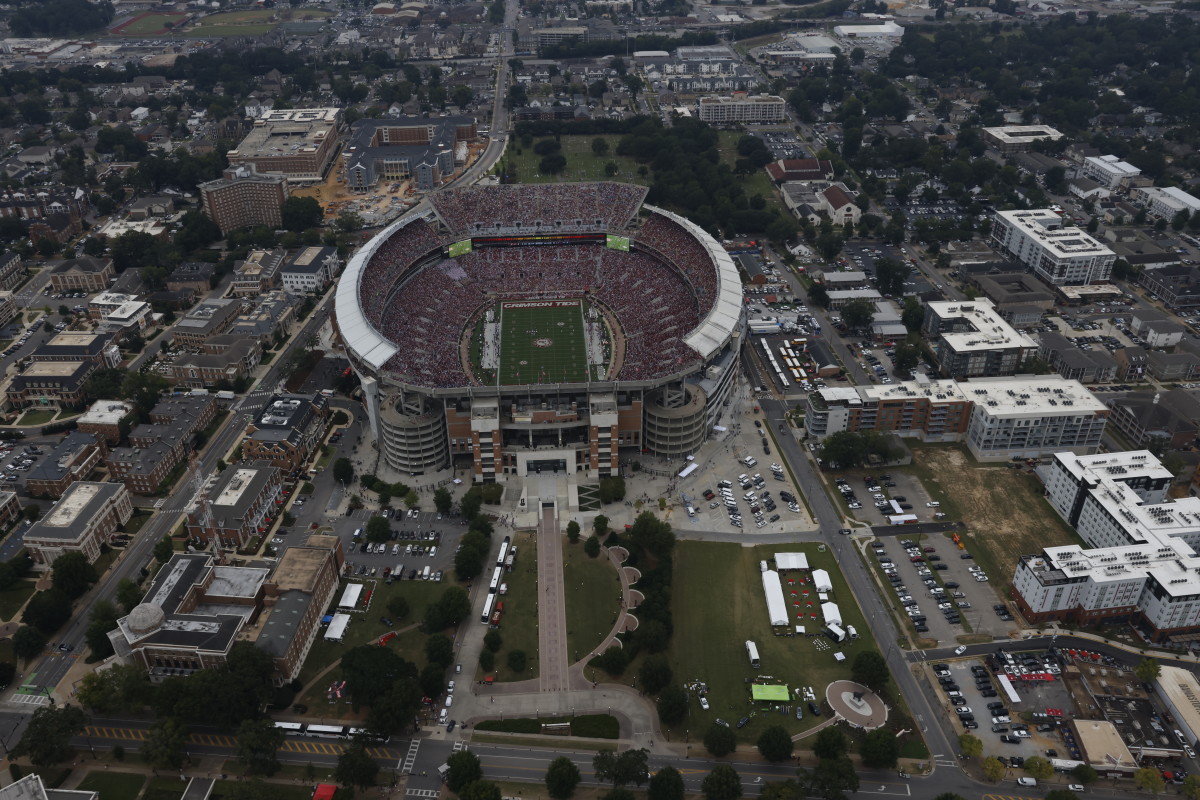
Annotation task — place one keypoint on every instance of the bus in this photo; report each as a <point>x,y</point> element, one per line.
<point>487,608</point>
<point>366,734</point>
<point>752,651</point>
<point>496,577</point>
<point>293,728</point>
<point>326,731</point>
<point>503,551</point>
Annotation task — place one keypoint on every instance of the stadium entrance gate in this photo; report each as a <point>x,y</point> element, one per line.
<point>554,465</point>
<point>546,461</point>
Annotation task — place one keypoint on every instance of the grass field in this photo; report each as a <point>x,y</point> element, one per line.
<point>582,163</point>
<point>593,590</point>
<point>248,22</point>
<point>519,624</point>
<point>1005,513</point>
<point>12,598</point>
<point>542,345</point>
<point>38,416</point>
<point>151,23</point>
<point>720,605</point>
<point>114,785</point>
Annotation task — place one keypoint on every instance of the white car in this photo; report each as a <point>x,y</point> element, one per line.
<point>962,710</point>
<point>933,504</point>
<point>704,703</point>
<point>1075,787</point>
<point>958,651</point>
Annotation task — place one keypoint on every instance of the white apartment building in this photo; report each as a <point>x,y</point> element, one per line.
<point>1109,171</point>
<point>310,270</point>
<point>741,107</point>
<point>1056,254</point>
<point>1143,567</point>
<point>971,339</point>
<point>1166,201</point>
<point>998,418</point>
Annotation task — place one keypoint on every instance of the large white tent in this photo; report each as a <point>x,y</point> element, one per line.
<point>791,560</point>
<point>337,627</point>
<point>832,614</point>
<point>821,581</point>
<point>776,608</point>
<point>350,596</point>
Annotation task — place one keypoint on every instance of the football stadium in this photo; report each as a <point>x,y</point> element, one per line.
<point>531,328</point>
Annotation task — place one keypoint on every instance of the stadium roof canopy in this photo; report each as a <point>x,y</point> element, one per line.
<point>772,693</point>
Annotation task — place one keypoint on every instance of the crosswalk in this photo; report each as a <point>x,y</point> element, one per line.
<point>29,699</point>
<point>411,757</point>
<point>1006,797</point>
<point>421,793</point>
<point>945,762</point>
<point>300,746</point>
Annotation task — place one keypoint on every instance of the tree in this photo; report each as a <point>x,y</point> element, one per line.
<point>832,778</point>
<point>562,776</point>
<point>620,770</point>
<point>47,611</point>
<point>103,619</point>
<point>356,769</point>
<point>129,594</point>
<point>368,667</point>
<point>858,314</point>
<point>600,525</point>
<point>871,670</point>
<point>164,550</point>
<point>782,790</point>
<point>453,607</point>
<point>439,650</point>
<point>1191,787</point>
<point>719,740</point>
<point>480,790</point>
<point>993,770</point>
<point>378,529</point>
<point>970,745</point>
<point>470,504</point>
<point>889,276</point>
<point>1149,780</point>
<point>907,357</point>
<point>258,739</point>
<point>442,500</point>
<point>163,746</point>
<point>1085,773</point>
<point>398,608</point>
<point>301,213</point>
<point>600,147</point>
<point>913,315</point>
<point>47,739</point>
<point>517,660</point>
<point>844,450</point>
<point>120,688</point>
<point>464,768</point>
<point>666,784</point>
<point>343,471</point>
<point>28,642</point>
<point>672,705</point>
<point>775,744</point>
<point>592,547</point>
<point>655,673</point>
<point>723,783</point>
<point>573,532</point>
<point>830,743</point>
<point>493,641</point>
<point>1147,670</point>
<point>613,660</point>
<point>880,749</point>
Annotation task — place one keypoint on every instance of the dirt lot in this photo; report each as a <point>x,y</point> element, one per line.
<point>1003,508</point>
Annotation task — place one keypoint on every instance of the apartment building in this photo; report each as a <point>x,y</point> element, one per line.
<point>243,197</point>
<point>258,273</point>
<point>288,431</point>
<point>105,418</point>
<point>1166,201</point>
<point>1058,255</point>
<point>997,418</point>
<point>1140,565</point>
<point>1085,366</point>
<point>81,521</point>
<point>1109,171</point>
<point>310,270</point>
<point>208,319</point>
<point>971,339</point>
<point>742,107</point>
<point>69,461</point>
<point>297,143</point>
<point>235,505</point>
<point>196,608</point>
<point>1009,139</point>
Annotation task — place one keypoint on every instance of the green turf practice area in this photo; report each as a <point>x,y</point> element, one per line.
<point>542,341</point>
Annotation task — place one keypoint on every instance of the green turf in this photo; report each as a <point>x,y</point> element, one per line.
<point>542,345</point>
<point>113,785</point>
<point>519,623</point>
<point>149,24</point>
<point>12,598</point>
<point>593,599</point>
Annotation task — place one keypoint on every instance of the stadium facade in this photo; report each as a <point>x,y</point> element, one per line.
<point>421,310</point>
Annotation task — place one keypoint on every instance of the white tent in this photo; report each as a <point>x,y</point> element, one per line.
<point>791,560</point>
<point>337,628</point>
<point>776,608</point>
<point>350,596</point>
<point>821,581</point>
<point>832,613</point>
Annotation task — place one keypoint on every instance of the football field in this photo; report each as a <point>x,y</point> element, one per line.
<point>542,342</point>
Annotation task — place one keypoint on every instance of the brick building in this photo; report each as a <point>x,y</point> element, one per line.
<point>81,521</point>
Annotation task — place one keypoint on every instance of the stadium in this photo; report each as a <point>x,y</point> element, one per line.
<point>533,328</point>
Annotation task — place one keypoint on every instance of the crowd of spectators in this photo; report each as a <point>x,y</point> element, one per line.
<point>386,267</point>
<point>674,243</point>
<point>602,206</point>
<point>654,305</point>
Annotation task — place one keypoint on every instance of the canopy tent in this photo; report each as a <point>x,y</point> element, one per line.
<point>832,613</point>
<point>350,596</point>
<point>325,791</point>
<point>337,628</point>
<point>776,608</point>
<point>791,560</point>
<point>775,694</point>
<point>821,581</point>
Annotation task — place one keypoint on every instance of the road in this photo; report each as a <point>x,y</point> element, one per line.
<point>47,673</point>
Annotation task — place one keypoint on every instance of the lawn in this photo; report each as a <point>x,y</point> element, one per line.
<point>164,789</point>
<point>151,23</point>
<point>756,182</point>
<point>113,785</point>
<point>37,417</point>
<point>582,163</point>
<point>712,625</point>
<point>1004,510</point>
<point>519,623</point>
<point>593,594</point>
<point>12,598</point>
<point>542,345</point>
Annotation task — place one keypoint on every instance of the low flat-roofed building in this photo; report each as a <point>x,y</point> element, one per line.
<point>105,417</point>
<point>116,228</point>
<point>310,270</point>
<point>972,340</point>
<point>1178,287</point>
<point>31,787</point>
<point>194,275</point>
<point>1166,201</point>
<point>209,318</point>
<point>238,501</point>
<point>742,107</point>
<point>271,316</point>
<point>82,274</point>
<point>288,431</point>
<point>81,521</point>
<point>298,143</point>
<point>1102,747</point>
<point>836,279</point>
<point>1018,138</point>
<point>50,384</point>
<point>1109,171</point>
<point>130,319</point>
<point>1179,690</point>
<point>197,609</point>
<point>216,367</point>
<point>839,297</point>
<point>1013,292</point>
<point>107,302</point>
<point>1065,358</point>
<point>71,460</point>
